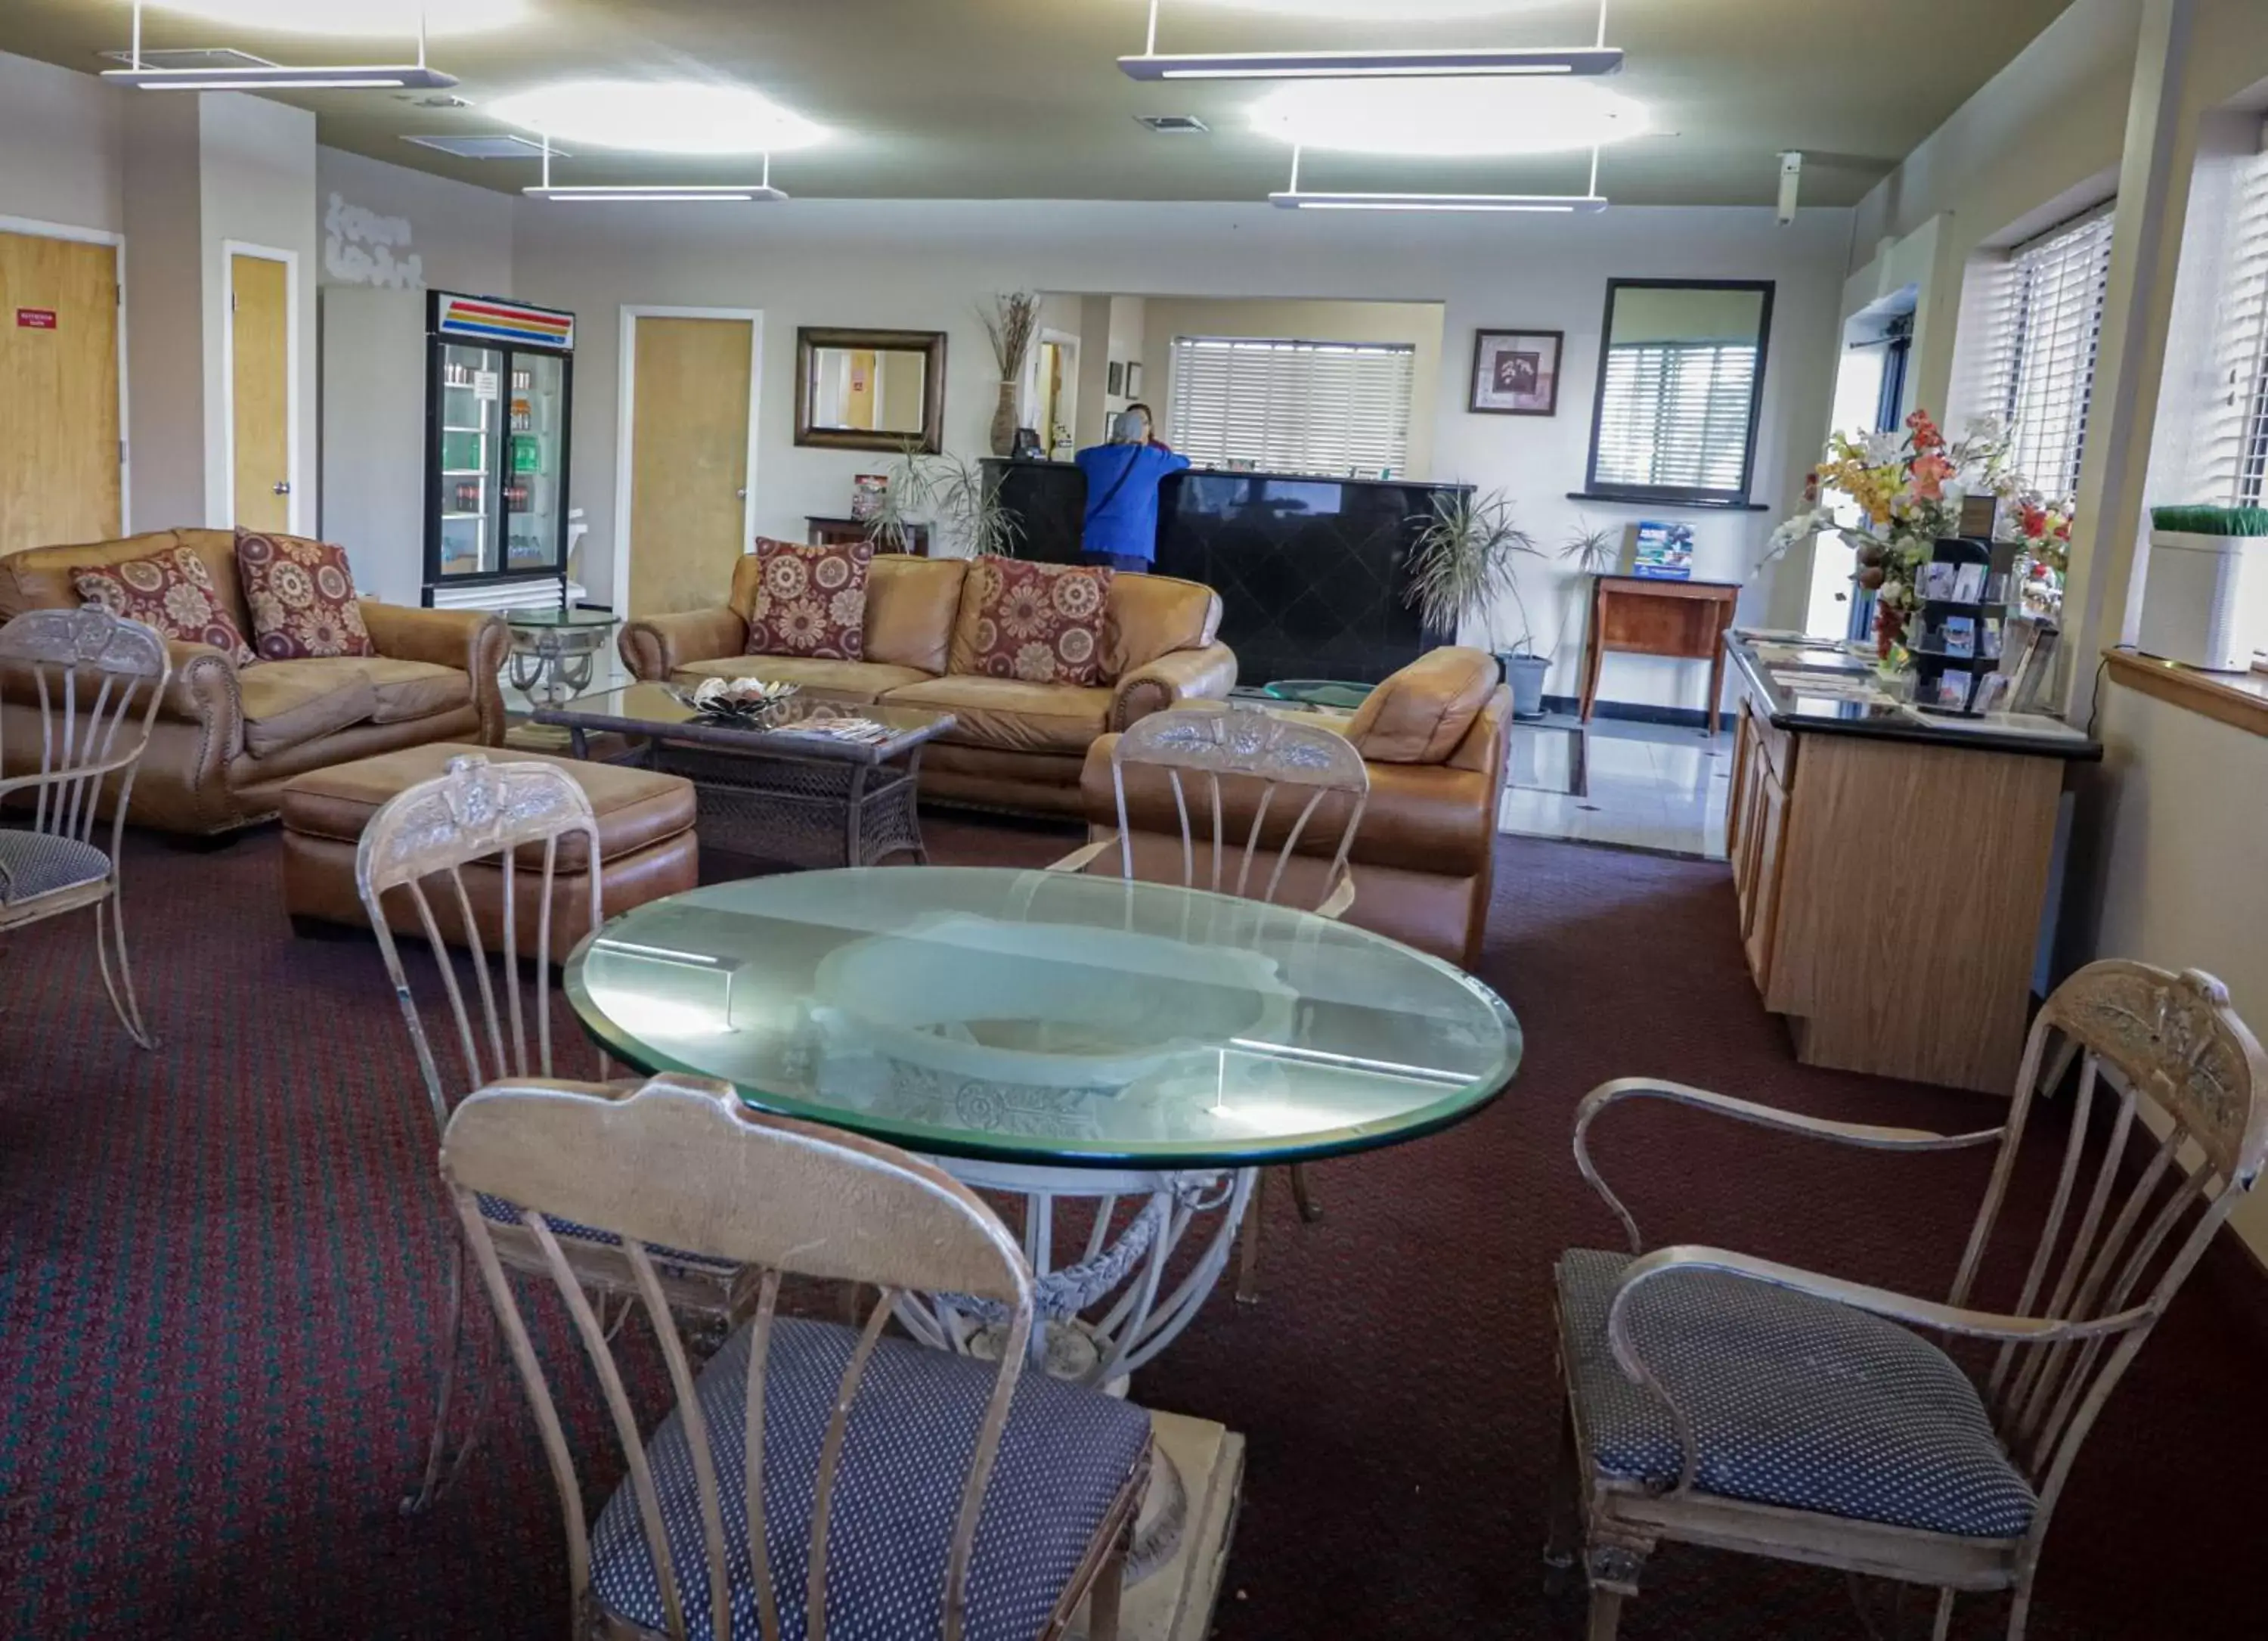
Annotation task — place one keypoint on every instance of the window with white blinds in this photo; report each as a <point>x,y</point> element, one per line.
<point>1293,407</point>
<point>2044,324</point>
<point>1676,416</point>
<point>2230,463</point>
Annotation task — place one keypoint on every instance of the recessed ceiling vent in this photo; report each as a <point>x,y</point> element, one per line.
<point>485,145</point>
<point>1174,125</point>
<point>207,57</point>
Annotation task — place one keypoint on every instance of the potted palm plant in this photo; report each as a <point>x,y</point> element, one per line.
<point>948,491</point>
<point>1462,567</point>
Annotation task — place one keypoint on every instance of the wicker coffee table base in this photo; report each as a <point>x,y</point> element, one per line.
<point>801,811</point>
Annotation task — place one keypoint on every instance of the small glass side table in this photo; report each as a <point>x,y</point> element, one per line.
<point>555,653</point>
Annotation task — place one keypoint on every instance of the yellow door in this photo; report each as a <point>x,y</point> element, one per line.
<point>261,384</point>
<point>58,392</point>
<point>689,461</point>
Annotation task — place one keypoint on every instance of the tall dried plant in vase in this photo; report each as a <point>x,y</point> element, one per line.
<point>1014,321</point>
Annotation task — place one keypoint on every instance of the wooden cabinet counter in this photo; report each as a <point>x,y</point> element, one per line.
<point>1891,869</point>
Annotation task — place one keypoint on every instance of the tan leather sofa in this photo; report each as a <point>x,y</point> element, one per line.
<point>1433,737</point>
<point>1016,746</point>
<point>227,739</point>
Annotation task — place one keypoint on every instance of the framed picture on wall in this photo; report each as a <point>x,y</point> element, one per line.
<point>1516,373</point>
<point>1133,379</point>
<point>1116,386</point>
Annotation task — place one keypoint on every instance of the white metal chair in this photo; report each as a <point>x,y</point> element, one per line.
<point>93,682</point>
<point>507,821</point>
<point>886,1486</point>
<point>1259,755</point>
<point>1719,1399</point>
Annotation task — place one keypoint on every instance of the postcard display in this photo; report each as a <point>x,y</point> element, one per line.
<point>1967,623</point>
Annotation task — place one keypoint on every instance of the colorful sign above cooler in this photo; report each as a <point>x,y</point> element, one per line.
<point>511,324</point>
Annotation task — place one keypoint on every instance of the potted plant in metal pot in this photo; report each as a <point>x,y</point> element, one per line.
<point>1464,562</point>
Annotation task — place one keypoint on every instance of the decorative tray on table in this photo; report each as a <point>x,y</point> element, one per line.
<point>748,702</point>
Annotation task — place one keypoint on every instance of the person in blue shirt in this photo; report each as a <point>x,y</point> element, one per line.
<point>1121,495</point>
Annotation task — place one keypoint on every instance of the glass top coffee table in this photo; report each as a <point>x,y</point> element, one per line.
<point>1123,1056</point>
<point>781,789</point>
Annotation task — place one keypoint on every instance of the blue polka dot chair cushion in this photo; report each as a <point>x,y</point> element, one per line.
<point>1065,1455</point>
<point>1794,1401</point>
<point>35,863</point>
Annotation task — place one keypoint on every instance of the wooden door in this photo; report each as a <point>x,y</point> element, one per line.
<point>688,461</point>
<point>59,432</point>
<point>260,412</point>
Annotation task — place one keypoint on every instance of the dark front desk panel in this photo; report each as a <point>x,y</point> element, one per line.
<point>1310,571</point>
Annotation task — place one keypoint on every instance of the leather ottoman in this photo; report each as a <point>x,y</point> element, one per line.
<point>647,848</point>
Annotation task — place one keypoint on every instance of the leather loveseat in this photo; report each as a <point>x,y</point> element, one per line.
<point>1015,746</point>
<point>1433,737</point>
<point>226,738</point>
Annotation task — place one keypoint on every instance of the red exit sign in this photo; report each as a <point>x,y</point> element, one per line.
<point>35,318</point>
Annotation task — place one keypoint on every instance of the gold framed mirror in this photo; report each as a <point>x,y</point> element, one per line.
<point>869,389</point>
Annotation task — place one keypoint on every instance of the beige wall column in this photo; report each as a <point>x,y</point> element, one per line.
<point>2100,607</point>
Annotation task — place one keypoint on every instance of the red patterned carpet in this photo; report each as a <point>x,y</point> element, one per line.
<point>220,1276</point>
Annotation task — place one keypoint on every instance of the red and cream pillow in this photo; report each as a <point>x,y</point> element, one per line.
<point>810,600</point>
<point>301,595</point>
<point>172,591</point>
<point>1039,623</point>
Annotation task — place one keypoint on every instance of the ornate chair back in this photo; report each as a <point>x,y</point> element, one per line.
<point>419,845</point>
<point>1307,763</point>
<point>2132,1213</point>
<point>780,1197</point>
<point>95,680</point>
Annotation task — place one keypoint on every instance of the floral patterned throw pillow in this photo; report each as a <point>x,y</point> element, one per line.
<point>172,591</point>
<point>302,598</point>
<point>810,600</point>
<point>1041,622</point>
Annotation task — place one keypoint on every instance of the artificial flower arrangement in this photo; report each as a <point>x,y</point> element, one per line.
<point>2043,530</point>
<point>1909,489</point>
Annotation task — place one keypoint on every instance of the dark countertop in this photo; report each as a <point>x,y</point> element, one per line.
<point>1792,709</point>
<point>1222,472</point>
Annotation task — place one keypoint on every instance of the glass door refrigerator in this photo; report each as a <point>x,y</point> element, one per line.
<point>499,380</point>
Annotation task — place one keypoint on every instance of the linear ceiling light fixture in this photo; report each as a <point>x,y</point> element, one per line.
<point>761,193</point>
<point>277,77</point>
<point>1296,198</point>
<point>1402,63</point>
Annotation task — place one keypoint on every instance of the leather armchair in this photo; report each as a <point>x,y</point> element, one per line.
<point>1432,738</point>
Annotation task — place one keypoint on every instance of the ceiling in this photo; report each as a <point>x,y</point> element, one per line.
<point>1022,98</point>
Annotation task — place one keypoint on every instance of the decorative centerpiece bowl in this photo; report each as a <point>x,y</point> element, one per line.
<point>734,700</point>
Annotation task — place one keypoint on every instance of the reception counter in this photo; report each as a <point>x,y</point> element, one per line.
<point>1310,571</point>
<point>1892,869</point>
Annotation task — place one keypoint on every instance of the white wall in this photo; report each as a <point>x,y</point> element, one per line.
<point>2180,800</point>
<point>62,147</point>
<point>165,308</point>
<point>1416,324</point>
<point>386,225</point>
<point>925,264</point>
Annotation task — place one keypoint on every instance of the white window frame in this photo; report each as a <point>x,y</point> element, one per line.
<point>1261,426</point>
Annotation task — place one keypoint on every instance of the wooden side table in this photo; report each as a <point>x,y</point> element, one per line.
<point>826,532</point>
<point>1637,615</point>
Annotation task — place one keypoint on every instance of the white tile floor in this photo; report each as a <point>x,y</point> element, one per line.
<point>1635,786</point>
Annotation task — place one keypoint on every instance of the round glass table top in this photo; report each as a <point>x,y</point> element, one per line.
<point>1049,1018</point>
<point>561,618</point>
